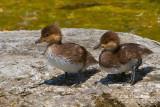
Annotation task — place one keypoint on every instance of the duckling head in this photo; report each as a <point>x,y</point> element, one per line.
<point>50,34</point>
<point>109,41</point>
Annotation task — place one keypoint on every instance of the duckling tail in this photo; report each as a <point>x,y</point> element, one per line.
<point>147,51</point>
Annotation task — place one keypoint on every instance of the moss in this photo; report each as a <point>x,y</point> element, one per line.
<point>105,100</point>
<point>140,17</point>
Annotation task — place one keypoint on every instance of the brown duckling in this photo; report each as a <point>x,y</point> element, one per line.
<point>120,58</point>
<point>69,57</point>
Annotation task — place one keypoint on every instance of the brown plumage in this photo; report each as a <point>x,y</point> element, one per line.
<point>69,57</point>
<point>109,40</point>
<point>128,51</point>
<point>111,36</point>
<point>74,52</point>
<point>122,55</point>
<point>118,58</point>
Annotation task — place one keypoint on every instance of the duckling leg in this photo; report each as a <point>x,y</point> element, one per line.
<point>133,74</point>
<point>134,70</point>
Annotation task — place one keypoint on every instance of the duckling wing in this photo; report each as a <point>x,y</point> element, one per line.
<point>130,51</point>
<point>72,52</point>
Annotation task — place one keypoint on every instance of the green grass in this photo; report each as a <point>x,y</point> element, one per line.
<point>141,17</point>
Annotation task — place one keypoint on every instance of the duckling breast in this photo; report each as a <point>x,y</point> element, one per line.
<point>63,63</point>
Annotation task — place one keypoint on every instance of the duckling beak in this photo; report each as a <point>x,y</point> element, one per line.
<point>97,46</point>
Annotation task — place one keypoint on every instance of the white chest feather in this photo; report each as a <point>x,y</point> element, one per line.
<point>122,68</point>
<point>62,63</point>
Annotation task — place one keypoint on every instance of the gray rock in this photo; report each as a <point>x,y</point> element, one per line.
<point>27,80</point>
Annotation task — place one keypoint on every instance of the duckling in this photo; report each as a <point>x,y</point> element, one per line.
<point>118,58</point>
<point>69,57</point>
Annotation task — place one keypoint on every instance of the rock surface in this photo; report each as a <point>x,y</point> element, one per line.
<point>26,79</point>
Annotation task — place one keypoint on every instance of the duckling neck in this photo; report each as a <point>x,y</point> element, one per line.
<point>51,43</point>
<point>58,43</point>
<point>113,50</point>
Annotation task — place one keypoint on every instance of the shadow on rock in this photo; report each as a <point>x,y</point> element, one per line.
<point>123,78</point>
<point>75,78</point>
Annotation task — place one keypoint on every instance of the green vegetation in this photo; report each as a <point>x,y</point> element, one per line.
<point>141,17</point>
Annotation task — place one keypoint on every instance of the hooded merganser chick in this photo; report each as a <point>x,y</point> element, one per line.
<point>120,58</point>
<point>69,57</point>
